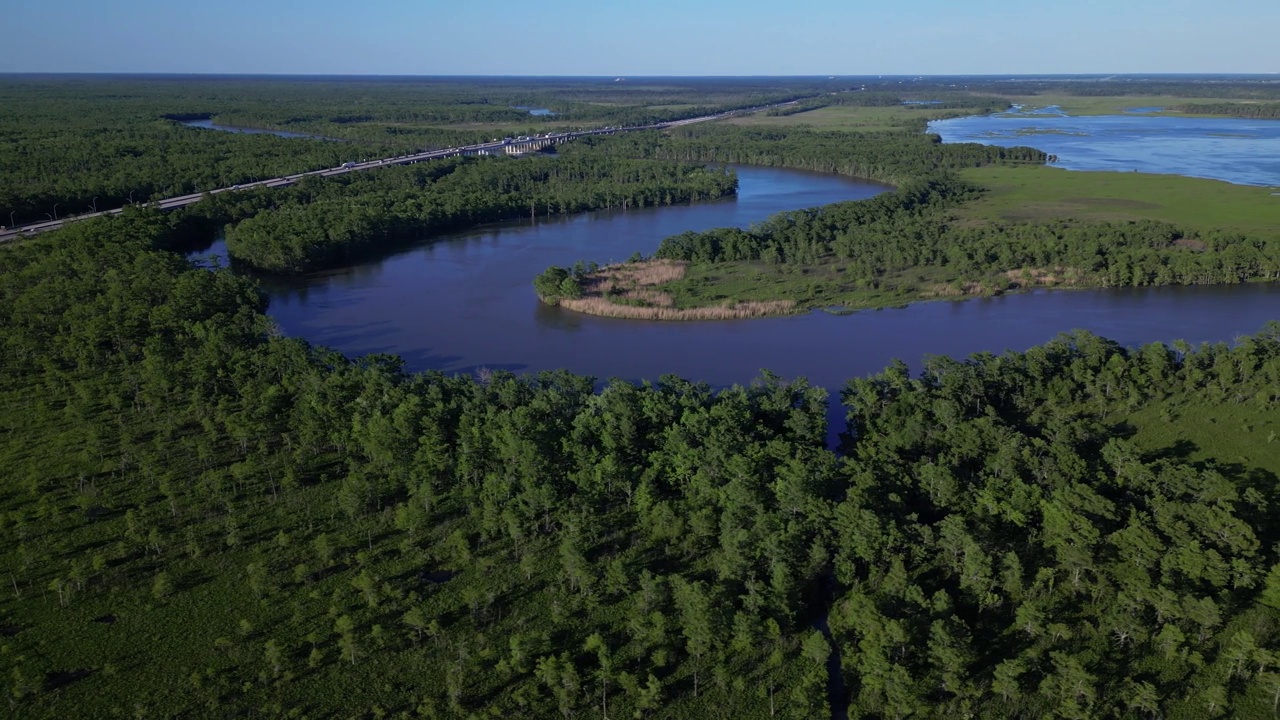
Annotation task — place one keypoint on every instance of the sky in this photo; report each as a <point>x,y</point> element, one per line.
<point>640,37</point>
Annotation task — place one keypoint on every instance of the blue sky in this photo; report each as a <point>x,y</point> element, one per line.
<point>640,37</point>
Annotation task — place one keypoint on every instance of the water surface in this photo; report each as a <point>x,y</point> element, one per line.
<point>465,302</point>
<point>1237,150</point>
<point>208,124</point>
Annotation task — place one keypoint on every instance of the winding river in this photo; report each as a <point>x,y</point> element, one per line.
<point>464,301</point>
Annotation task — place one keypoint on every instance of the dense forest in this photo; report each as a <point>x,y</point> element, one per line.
<point>192,502</point>
<point>1227,87</point>
<point>1252,111</point>
<point>74,142</point>
<point>973,104</point>
<point>332,221</point>
<point>890,157</point>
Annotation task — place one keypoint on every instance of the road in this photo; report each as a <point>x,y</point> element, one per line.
<point>494,146</point>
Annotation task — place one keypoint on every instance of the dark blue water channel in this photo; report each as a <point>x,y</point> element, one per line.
<point>208,124</point>
<point>464,301</point>
<point>1242,151</point>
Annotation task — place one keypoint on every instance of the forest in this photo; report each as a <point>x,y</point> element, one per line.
<point>946,100</point>
<point>195,502</point>
<point>201,517</point>
<point>1252,111</point>
<point>889,157</point>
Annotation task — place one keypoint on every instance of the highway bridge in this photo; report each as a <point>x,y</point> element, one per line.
<point>507,146</point>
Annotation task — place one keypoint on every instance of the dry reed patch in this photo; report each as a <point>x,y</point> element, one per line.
<point>633,283</point>
<point>952,290</point>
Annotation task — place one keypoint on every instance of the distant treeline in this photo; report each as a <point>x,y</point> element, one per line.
<point>1254,111</point>
<point>891,157</point>
<point>940,101</point>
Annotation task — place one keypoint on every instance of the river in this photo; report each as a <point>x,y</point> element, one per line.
<point>464,301</point>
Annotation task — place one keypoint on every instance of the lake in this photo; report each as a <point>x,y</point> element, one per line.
<point>1246,152</point>
<point>465,301</point>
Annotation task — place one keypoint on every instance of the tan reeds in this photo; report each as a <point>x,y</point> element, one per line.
<point>644,274</point>
<point>629,290</point>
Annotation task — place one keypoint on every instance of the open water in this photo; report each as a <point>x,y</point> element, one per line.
<point>1246,152</point>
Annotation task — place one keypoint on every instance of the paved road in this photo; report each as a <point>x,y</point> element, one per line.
<point>495,146</point>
